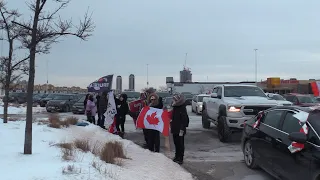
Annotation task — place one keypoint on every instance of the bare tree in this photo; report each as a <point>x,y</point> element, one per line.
<point>38,34</point>
<point>202,89</point>
<point>13,67</point>
<point>162,89</point>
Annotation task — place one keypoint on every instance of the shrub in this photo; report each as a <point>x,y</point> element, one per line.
<point>111,151</point>
<point>66,150</point>
<point>82,144</point>
<point>54,121</point>
<point>71,120</point>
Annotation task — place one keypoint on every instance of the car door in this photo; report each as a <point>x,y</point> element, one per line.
<point>214,104</point>
<point>265,138</point>
<point>288,162</point>
<point>194,103</point>
<point>209,104</point>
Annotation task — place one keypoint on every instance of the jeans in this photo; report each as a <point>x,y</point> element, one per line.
<point>101,121</point>
<point>179,145</point>
<point>154,140</point>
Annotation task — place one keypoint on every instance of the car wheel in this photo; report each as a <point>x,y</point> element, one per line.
<point>49,111</point>
<point>224,131</point>
<point>192,109</point>
<point>205,122</point>
<point>248,153</point>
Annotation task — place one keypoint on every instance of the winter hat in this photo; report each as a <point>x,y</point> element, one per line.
<point>178,100</point>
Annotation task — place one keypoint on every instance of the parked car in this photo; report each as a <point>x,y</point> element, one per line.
<point>37,97</point>
<point>167,103</point>
<point>163,95</point>
<point>78,107</point>
<point>16,97</point>
<point>279,98</point>
<point>303,100</point>
<point>132,96</point>
<point>267,145</point>
<point>61,103</point>
<point>197,103</point>
<point>188,96</point>
<point>231,105</point>
<point>43,101</point>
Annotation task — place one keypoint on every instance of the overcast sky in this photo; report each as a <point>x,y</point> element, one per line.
<point>218,35</point>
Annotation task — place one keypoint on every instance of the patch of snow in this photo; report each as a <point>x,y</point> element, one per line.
<point>46,162</point>
<point>21,109</point>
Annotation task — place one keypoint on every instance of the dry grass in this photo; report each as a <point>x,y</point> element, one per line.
<point>82,144</point>
<point>67,150</point>
<point>71,120</point>
<point>71,169</point>
<point>55,122</point>
<point>111,151</point>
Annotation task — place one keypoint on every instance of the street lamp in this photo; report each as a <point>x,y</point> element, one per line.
<point>256,65</point>
<point>147,75</point>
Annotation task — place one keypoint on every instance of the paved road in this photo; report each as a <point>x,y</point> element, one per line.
<point>205,157</point>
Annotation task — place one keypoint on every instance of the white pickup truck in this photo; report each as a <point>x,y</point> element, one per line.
<point>231,105</point>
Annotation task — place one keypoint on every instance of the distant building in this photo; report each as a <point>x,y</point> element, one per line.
<point>185,75</point>
<point>131,82</point>
<point>119,84</point>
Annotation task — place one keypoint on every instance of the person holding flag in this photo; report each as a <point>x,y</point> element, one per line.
<point>122,111</point>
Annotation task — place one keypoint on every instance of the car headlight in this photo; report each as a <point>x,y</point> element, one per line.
<point>200,105</point>
<point>234,108</point>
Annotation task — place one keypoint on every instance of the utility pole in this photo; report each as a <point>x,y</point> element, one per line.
<point>256,65</point>
<point>147,75</point>
<point>47,66</point>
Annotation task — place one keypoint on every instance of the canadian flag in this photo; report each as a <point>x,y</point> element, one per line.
<point>153,118</point>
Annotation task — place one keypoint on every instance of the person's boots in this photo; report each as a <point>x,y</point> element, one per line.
<point>175,158</point>
<point>179,160</point>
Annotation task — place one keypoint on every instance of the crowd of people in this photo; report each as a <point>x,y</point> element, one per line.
<point>179,118</point>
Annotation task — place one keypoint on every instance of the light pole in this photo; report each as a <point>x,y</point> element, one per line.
<point>47,67</point>
<point>256,65</point>
<point>147,75</point>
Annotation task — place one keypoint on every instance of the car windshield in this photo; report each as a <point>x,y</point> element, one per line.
<point>61,97</point>
<point>51,95</point>
<point>278,97</point>
<point>168,100</point>
<point>163,94</point>
<point>306,99</point>
<point>313,119</point>
<point>200,98</point>
<point>238,91</point>
<point>82,99</point>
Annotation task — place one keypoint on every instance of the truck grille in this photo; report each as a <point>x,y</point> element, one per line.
<point>254,110</point>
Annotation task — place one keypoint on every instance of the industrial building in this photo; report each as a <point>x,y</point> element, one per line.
<point>119,84</point>
<point>131,82</point>
<point>185,75</point>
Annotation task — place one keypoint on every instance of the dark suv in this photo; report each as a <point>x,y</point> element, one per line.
<point>301,99</point>
<point>17,97</point>
<point>278,142</point>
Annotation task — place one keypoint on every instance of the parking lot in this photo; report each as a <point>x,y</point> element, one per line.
<point>205,157</point>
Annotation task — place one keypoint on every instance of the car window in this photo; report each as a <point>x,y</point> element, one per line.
<point>219,91</point>
<point>290,123</point>
<point>313,138</point>
<point>272,118</point>
<point>289,98</point>
<point>215,90</point>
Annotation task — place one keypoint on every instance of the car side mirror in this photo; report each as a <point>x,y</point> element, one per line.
<point>214,95</point>
<point>298,137</point>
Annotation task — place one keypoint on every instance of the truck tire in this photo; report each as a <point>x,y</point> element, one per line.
<point>224,131</point>
<point>205,122</point>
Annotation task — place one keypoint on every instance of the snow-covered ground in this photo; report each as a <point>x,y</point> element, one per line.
<point>46,162</point>
<point>20,109</point>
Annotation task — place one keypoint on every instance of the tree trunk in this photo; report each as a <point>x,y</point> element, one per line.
<point>6,103</point>
<point>28,131</point>
<point>7,82</point>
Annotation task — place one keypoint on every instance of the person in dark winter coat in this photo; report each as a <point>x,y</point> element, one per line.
<point>98,106</point>
<point>103,104</point>
<point>153,136</point>
<point>122,111</point>
<point>179,124</point>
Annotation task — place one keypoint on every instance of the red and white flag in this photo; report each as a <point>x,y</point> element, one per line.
<point>153,118</point>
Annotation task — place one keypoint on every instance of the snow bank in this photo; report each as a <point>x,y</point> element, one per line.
<point>21,109</point>
<point>46,162</point>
